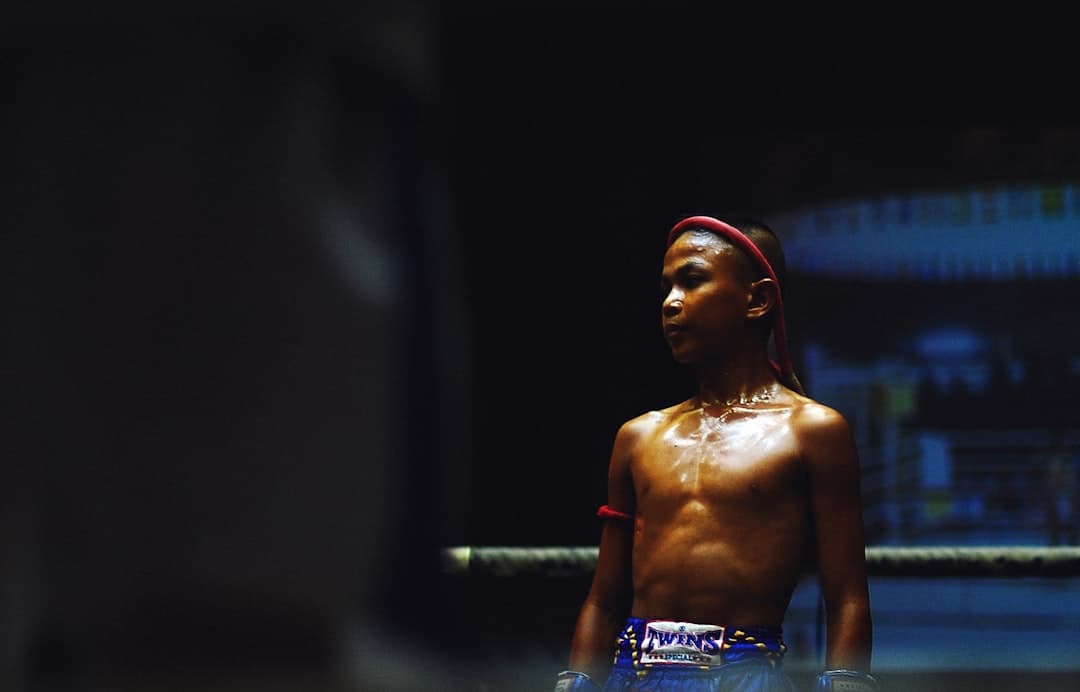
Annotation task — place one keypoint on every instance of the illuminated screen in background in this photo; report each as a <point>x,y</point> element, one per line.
<point>944,328</point>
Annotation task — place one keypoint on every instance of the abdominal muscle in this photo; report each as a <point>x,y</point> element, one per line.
<point>702,564</point>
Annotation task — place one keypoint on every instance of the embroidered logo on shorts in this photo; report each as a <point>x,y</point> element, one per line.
<point>683,643</point>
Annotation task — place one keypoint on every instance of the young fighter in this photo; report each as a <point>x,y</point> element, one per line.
<point>717,505</point>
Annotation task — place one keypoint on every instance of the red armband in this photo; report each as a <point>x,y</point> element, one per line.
<point>606,512</point>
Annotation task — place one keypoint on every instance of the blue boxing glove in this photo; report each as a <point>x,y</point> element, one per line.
<point>573,681</point>
<point>846,681</point>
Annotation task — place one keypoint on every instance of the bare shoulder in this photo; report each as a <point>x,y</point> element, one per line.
<point>825,444</point>
<point>816,424</point>
<point>642,427</point>
<point>650,421</point>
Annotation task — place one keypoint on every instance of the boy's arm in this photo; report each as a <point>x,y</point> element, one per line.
<point>836,500</point>
<point>610,596</point>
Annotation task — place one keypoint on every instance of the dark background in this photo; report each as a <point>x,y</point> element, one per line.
<point>294,296</point>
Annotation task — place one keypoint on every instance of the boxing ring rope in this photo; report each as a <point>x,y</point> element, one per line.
<point>881,561</point>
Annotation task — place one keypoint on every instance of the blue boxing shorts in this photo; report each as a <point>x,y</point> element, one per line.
<point>685,657</point>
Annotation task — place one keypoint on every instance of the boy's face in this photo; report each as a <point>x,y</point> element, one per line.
<point>705,297</point>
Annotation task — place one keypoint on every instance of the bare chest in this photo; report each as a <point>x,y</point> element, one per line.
<point>748,458</point>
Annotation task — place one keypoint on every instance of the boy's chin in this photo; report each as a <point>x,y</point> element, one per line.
<point>684,357</point>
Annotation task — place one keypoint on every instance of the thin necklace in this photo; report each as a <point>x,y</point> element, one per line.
<point>766,393</point>
<point>729,406</point>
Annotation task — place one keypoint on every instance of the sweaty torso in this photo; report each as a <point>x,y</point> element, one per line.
<point>722,513</point>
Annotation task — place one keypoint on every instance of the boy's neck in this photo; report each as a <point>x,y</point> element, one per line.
<point>743,380</point>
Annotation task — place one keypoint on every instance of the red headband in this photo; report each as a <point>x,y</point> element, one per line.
<point>739,240</point>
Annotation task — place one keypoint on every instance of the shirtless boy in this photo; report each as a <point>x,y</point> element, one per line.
<point>717,505</point>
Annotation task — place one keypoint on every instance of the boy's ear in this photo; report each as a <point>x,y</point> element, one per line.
<point>762,298</point>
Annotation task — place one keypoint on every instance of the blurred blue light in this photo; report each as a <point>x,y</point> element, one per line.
<point>964,235</point>
<point>955,343</point>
